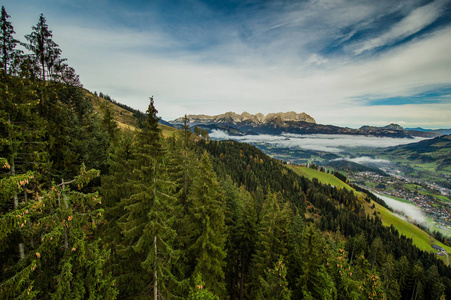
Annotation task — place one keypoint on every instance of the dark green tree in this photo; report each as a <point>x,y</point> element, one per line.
<point>272,240</point>
<point>209,230</point>
<point>45,51</point>
<point>418,277</point>
<point>388,277</point>
<point>314,280</point>
<point>275,286</point>
<point>109,124</point>
<point>9,54</point>
<point>197,130</point>
<point>148,224</point>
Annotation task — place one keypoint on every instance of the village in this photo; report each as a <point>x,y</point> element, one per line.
<point>431,198</point>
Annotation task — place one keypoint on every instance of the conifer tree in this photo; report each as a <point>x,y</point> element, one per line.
<point>388,276</point>
<point>376,253</point>
<point>343,275</point>
<point>276,284</point>
<point>22,154</point>
<point>69,265</point>
<point>314,280</point>
<point>18,283</point>
<point>116,185</point>
<point>148,222</point>
<point>209,229</point>
<point>403,274</point>
<point>9,54</point>
<point>241,222</point>
<point>272,240</point>
<point>418,278</point>
<point>434,287</point>
<point>109,125</point>
<point>46,51</point>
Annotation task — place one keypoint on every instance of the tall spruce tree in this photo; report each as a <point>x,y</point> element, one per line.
<point>209,230</point>
<point>314,280</point>
<point>9,54</point>
<point>45,51</point>
<point>148,222</point>
<point>272,240</point>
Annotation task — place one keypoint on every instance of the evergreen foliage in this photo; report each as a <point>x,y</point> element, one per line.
<point>88,211</point>
<point>10,56</point>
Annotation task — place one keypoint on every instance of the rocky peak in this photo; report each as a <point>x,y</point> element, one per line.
<point>290,116</point>
<point>394,127</point>
<point>231,117</point>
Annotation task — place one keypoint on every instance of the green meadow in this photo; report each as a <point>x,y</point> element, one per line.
<point>419,237</point>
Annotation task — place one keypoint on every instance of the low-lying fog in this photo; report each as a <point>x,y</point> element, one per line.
<point>407,211</point>
<point>334,143</point>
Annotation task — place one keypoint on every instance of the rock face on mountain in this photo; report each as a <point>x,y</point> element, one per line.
<point>289,122</point>
<point>245,117</point>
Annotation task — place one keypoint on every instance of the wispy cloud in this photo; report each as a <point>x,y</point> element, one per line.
<point>417,20</point>
<point>259,56</point>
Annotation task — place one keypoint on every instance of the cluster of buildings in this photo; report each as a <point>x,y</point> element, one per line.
<point>394,186</point>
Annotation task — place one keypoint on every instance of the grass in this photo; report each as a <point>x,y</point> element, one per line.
<point>420,238</point>
<point>167,131</point>
<point>321,176</point>
<point>123,117</point>
<point>398,199</point>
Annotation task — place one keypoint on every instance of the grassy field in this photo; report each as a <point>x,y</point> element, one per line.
<point>321,176</point>
<point>123,117</point>
<point>419,237</point>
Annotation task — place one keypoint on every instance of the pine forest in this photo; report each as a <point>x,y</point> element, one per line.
<point>89,210</point>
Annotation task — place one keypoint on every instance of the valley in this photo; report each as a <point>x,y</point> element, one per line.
<point>373,163</point>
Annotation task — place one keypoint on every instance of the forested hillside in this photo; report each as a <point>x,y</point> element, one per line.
<point>90,211</point>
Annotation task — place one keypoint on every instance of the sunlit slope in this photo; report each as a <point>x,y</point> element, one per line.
<point>419,238</point>
<point>321,176</point>
<point>123,117</point>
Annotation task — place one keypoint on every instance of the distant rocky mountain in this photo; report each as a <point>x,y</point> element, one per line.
<point>289,122</point>
<point>245,117</point>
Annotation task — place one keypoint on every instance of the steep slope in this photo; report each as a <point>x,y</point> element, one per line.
<point>419,237</point>
<point>126,118</point>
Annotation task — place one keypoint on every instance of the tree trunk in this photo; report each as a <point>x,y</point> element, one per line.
<point>66,240</point>
<point>242,280</point>
<point>415,290</point>
<point>16,206</point>
<point>29,223</point>
<point>155,281</point>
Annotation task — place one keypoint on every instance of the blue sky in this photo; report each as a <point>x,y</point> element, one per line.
<point>344,62</point>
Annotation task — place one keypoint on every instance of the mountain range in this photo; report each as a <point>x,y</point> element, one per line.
<point>291,122</point>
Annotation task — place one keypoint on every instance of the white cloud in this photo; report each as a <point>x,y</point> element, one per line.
<point>334,143</point>
<point>273,64</point>
<point>366,160</point>
<point>316,59</point>
<point>414,22</point>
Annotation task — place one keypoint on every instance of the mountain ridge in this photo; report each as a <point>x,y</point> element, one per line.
<point>257,119</point>
<point>290,122</point>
